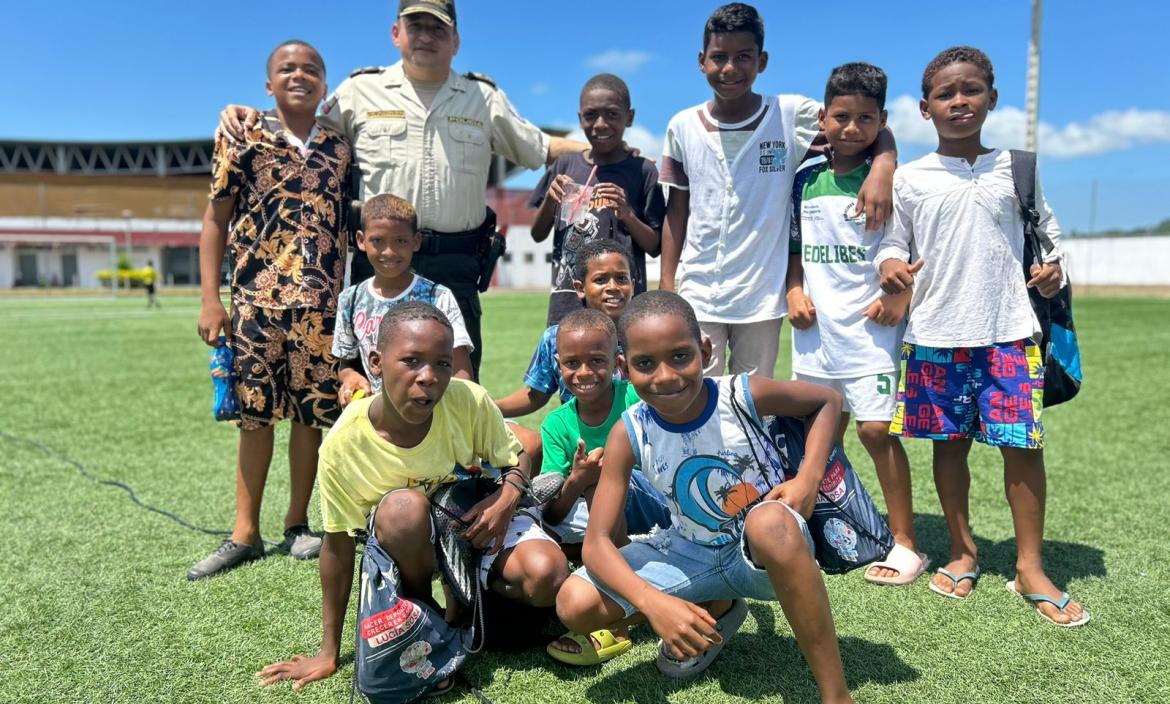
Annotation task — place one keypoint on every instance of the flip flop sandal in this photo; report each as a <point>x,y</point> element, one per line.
<point>1035,599</point>
<point>909,564</point>
<point>727,625</point>
<point>608,648</point>
<point>956,578</point>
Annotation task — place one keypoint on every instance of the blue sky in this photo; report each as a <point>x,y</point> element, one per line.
<point>131,70</point>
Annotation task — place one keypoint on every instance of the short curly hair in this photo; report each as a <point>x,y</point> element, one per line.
<point>407,312</point>
<point>858,78</point>
<point>389,207</point>
<point>957,55</point>
<point>594,248</point>
<point>734,17</point>
<point>655,303</point>
<point>612,83</point>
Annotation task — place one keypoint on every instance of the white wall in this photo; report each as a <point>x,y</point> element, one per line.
<point>1119,261</point>
<point>91,258</point>
<point>520,273</point>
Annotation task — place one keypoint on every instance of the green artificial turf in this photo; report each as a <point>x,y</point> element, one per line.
<point>95,606</point>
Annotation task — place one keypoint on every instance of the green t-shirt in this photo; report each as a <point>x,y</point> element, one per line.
<point>563,427</point>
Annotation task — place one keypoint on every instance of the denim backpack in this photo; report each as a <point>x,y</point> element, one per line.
<point>404,647</point>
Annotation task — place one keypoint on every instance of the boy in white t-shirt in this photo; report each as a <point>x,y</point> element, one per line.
<point>851,339</point>
<point>725,161</point>
<point>389,238</point>
<point>971,365</point>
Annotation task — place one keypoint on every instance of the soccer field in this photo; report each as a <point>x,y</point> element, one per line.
<point>96,607</point>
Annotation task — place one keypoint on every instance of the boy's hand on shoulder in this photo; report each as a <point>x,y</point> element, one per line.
<point>489,519</point>
<point>351,381</point>
<point>876,197</point>
<point>235,120</point>
<point>800,494</point>
<point>1046,279</point>
<point>300,669</point>
<point>686,629</point>
<point>587,466</point>
<point>213,319</point>
<point>801,311</point>
<point>898,276</point>
<point>556,189</point>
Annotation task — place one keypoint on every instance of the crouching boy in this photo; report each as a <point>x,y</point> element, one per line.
<point>389,452</point>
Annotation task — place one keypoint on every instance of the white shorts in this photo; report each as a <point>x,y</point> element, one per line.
<point>571,529</point>
<point>524,527</point>
<point>870,397</point>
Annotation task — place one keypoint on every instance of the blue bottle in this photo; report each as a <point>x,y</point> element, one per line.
<point>223,381</point>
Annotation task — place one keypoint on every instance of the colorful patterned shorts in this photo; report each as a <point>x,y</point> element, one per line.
<point>285,366</point>
<point>993,394</point>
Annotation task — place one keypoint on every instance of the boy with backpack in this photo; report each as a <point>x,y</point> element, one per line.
<point>971,366</point>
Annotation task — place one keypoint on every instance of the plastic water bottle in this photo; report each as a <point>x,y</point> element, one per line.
<point>223,380</point>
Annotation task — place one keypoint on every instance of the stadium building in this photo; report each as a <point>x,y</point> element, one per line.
<point>69,210</point>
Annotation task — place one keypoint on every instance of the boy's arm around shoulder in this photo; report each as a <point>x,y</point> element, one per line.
<point>822,406</point>
<point>876,197</point>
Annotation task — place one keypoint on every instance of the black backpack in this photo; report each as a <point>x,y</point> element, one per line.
<point>1058,343</point>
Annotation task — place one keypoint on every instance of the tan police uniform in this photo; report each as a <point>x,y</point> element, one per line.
<point>438,159</point>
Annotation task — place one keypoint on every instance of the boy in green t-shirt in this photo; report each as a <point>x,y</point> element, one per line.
<point>574,438</point>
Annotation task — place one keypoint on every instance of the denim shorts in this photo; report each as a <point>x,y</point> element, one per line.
<point>696,573</point>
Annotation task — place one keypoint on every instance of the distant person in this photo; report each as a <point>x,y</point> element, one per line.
<point>388,453</point>
<point>738,527</point>
<point>149,276</point>
<point>388,238</point>
<point>847,334</point>
<point>971,365</point>
<point>626,203</point>
<point>729,165</point>
<point>278,201</point>
<point>430,135</point>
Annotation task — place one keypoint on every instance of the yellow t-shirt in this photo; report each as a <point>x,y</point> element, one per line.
<point>357,467</point>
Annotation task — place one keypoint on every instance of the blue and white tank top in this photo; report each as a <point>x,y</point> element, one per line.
<point>709,469</point>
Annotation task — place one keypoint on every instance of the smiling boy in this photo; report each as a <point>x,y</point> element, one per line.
<point>278,203</point>
<point>737,527</point>
<point>389,238</point>
<point>626,206</point>
<point>724,161</point>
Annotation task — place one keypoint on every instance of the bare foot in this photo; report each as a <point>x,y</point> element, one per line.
<point>1038,583</point>
<point>958,565</point>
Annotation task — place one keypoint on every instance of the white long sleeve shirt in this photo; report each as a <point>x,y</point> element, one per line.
<point>963,220</point>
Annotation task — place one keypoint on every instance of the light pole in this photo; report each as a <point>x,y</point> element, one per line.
<point>1033,98</point>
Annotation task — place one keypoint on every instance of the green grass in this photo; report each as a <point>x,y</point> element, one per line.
<point>96,607</point>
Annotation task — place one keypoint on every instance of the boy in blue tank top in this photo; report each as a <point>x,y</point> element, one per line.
<point>738,529</point>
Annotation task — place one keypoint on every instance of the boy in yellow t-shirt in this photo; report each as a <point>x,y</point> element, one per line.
<point>387,453</point>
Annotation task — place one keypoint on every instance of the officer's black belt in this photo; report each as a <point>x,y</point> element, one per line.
<point>468,242</point>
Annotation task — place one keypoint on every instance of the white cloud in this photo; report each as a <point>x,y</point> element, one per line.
<point>618,60</point>
<point>638,137</point>
<point>539,88</point>
<point>1113,130</point>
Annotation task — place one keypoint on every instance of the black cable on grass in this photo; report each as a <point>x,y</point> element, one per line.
<point>54,455</point>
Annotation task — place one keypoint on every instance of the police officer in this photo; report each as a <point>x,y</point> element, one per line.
<point>427,134</point>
